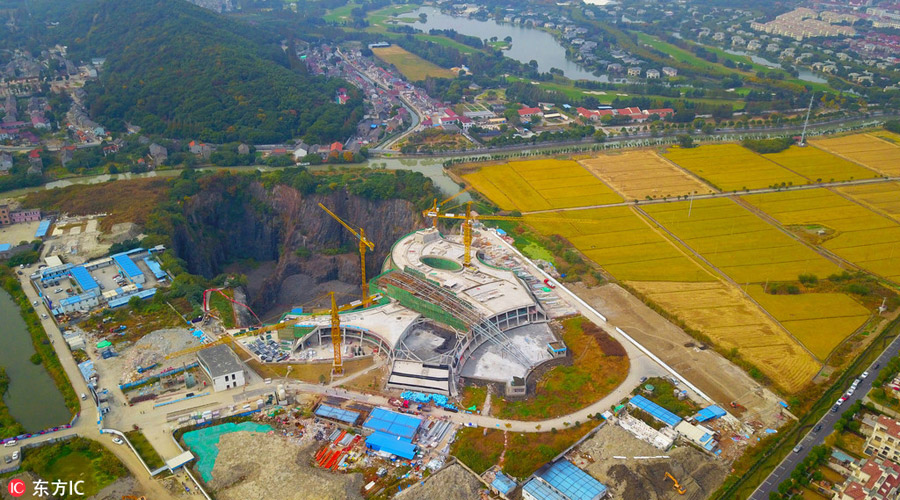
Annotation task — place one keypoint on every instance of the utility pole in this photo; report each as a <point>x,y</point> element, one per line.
<point>806,122</point>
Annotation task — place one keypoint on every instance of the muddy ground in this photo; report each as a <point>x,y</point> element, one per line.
<point>644,479</point>
<point>453,482</point>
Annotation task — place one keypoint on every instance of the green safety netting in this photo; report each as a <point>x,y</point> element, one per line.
<point>204,443</point>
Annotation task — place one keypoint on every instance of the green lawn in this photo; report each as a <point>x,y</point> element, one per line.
<point>340,14</point>
<point>223,307</point>
<point>77,459</point>
<point>146,450</point>
<point>682,55</point>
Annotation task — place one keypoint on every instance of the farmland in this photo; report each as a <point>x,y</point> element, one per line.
<point>624,244</point>
<point>412,66</point>
<point>739,243</point>
<point>820,321</point>
<point>819,166</point>
<point>643,174</point>
<point>878,154</point>
<point>541,185</point>
<point>861,236</point>
<point>723,313</point>
<point>880,197</point>
<point>729,167</point>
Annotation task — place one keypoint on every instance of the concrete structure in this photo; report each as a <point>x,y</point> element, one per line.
<point>222,366</point>
<point>885,439</point>
<point>436,315</point>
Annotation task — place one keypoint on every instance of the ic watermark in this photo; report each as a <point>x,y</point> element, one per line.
<point>41,488</point>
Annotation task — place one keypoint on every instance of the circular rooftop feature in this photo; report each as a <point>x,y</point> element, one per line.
<point>441,263</point>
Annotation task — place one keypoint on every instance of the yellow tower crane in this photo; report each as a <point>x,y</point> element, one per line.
<point>469,221</point>
<point>364,245</point>
<point>436,207</point>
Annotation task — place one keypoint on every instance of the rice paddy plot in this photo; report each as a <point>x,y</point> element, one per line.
<point>740,244</point>
<point>883,197</point>
<point>730,167</point>
<point>821,321</point>
<point>876,153</point>
<point>624,244</point>
<point>410,65</point>
<point>820,166</point>
<point>732,321</point>
<point>642,174</point>
<point>541,185</point>
<point>862,237</point>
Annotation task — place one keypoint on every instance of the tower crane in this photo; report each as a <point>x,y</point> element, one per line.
<point>469,221</point>
<point>364,245</point>
<point>436,207</point>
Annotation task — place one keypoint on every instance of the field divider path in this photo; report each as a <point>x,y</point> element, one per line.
<point>824,252</point>
<point>857,182</point>
<point>728,279</point>
<point>867,206</point>
<point>688,172</point>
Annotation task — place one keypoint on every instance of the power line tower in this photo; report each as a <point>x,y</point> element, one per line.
<point>806,122</point>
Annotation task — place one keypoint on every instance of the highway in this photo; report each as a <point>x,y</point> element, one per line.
<point>811,439</point>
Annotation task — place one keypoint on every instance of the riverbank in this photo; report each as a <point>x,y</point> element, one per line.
<point>39,339</point>
<point>9,427</point>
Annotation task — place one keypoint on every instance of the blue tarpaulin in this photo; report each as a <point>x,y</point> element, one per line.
<point>656,411</point>
<point>709,413</point>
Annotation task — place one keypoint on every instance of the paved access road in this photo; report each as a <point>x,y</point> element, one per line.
<point>811,439</point>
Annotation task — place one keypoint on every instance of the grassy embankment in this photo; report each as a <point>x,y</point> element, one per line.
<point>146,450</point>
<point>77,459</point>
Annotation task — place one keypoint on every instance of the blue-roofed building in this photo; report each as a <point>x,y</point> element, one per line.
<point>43,229</point>
<point>81,303</point>
<point>55,273</point>
<point>655,411</point>
<point>155,268</point>
<point>391,422</point>
<point>83,278</point>
<point>562,480</point>
<point>502,483</point>
<point>121,301</point>
<point>4,249</point>
<point>339,414</point>
<point>709,413</point>
<point>128,268</point>
<point>388,443</point>
<point>87,370</point>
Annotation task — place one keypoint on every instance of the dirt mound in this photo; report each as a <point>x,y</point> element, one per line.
<point>250,465</point>
<point>450,483</point>
<point>698,474</point>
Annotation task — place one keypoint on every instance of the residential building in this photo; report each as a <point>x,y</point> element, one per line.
<point>652,73</point>
<point>222,366</point>
<point>526,113</point>
<point>634,71</point>
<point>6,163</point>
<point>669,71</point>
<point>885,439</point>
<point>159,154</point>
<point>873,479</point>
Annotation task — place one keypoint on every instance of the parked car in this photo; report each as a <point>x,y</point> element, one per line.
<point>15,455</point>
<point>798,448</point>
<point>11,442</point>
<point>7,459</point>
<point>58,290</point>
<point>44,316</point>
<point>83,396</point>
<point>817,428</point>
<point>118,440</point>
<point>864,374</point>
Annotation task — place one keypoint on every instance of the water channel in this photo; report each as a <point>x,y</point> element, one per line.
<point>33,398</point>
<point>802,73</point>
<point>527,43</point>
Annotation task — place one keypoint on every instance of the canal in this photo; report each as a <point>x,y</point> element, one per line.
<point>33,398</point>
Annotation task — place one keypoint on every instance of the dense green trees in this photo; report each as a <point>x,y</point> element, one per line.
<point>181,71</point>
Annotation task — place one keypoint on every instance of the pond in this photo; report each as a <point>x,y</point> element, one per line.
<point>33,398</point>
<point>527,43</point>
<point>802,73</point>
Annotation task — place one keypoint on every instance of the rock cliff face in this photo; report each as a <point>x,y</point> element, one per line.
<point>287,227</point>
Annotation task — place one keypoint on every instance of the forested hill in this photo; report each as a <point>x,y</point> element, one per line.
<point>179,70</point>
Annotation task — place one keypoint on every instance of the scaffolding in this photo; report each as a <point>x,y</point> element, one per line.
<point>433,301</point>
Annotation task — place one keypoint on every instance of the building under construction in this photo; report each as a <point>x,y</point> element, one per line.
<point>440,321</point>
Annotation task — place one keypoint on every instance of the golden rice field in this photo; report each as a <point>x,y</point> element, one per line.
<point>624,243</point>
<point>541,185</point>
<point>641,174</point>
<point>863,237</point>
<point>731,167</point>
<point>888,136</point>
<point>821,321</point>
<point>883,197</point>
<point>731,320</point>
<point>410,65</point>
<point>878,154</point>
<point>820,166</point>
<point>739,243</point>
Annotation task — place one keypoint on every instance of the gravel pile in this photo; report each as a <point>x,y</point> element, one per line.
<point>450,483</point>
<point>250,465</point>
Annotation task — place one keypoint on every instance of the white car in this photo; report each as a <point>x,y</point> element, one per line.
<point>44,316</point>
<point>15,455</point>
<point>864,374</point>
<point>118,440</point>
<point>11,442</point>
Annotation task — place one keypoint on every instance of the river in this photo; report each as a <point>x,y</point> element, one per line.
<point>802,73</point>
<point>527,43</point>
<point>33,398</point>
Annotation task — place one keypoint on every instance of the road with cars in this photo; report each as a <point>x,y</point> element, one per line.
<point>825,426</point>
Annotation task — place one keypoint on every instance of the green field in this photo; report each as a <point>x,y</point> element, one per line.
<point>77,459</point>
<point>412,66</point>
<point>340,14</point>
